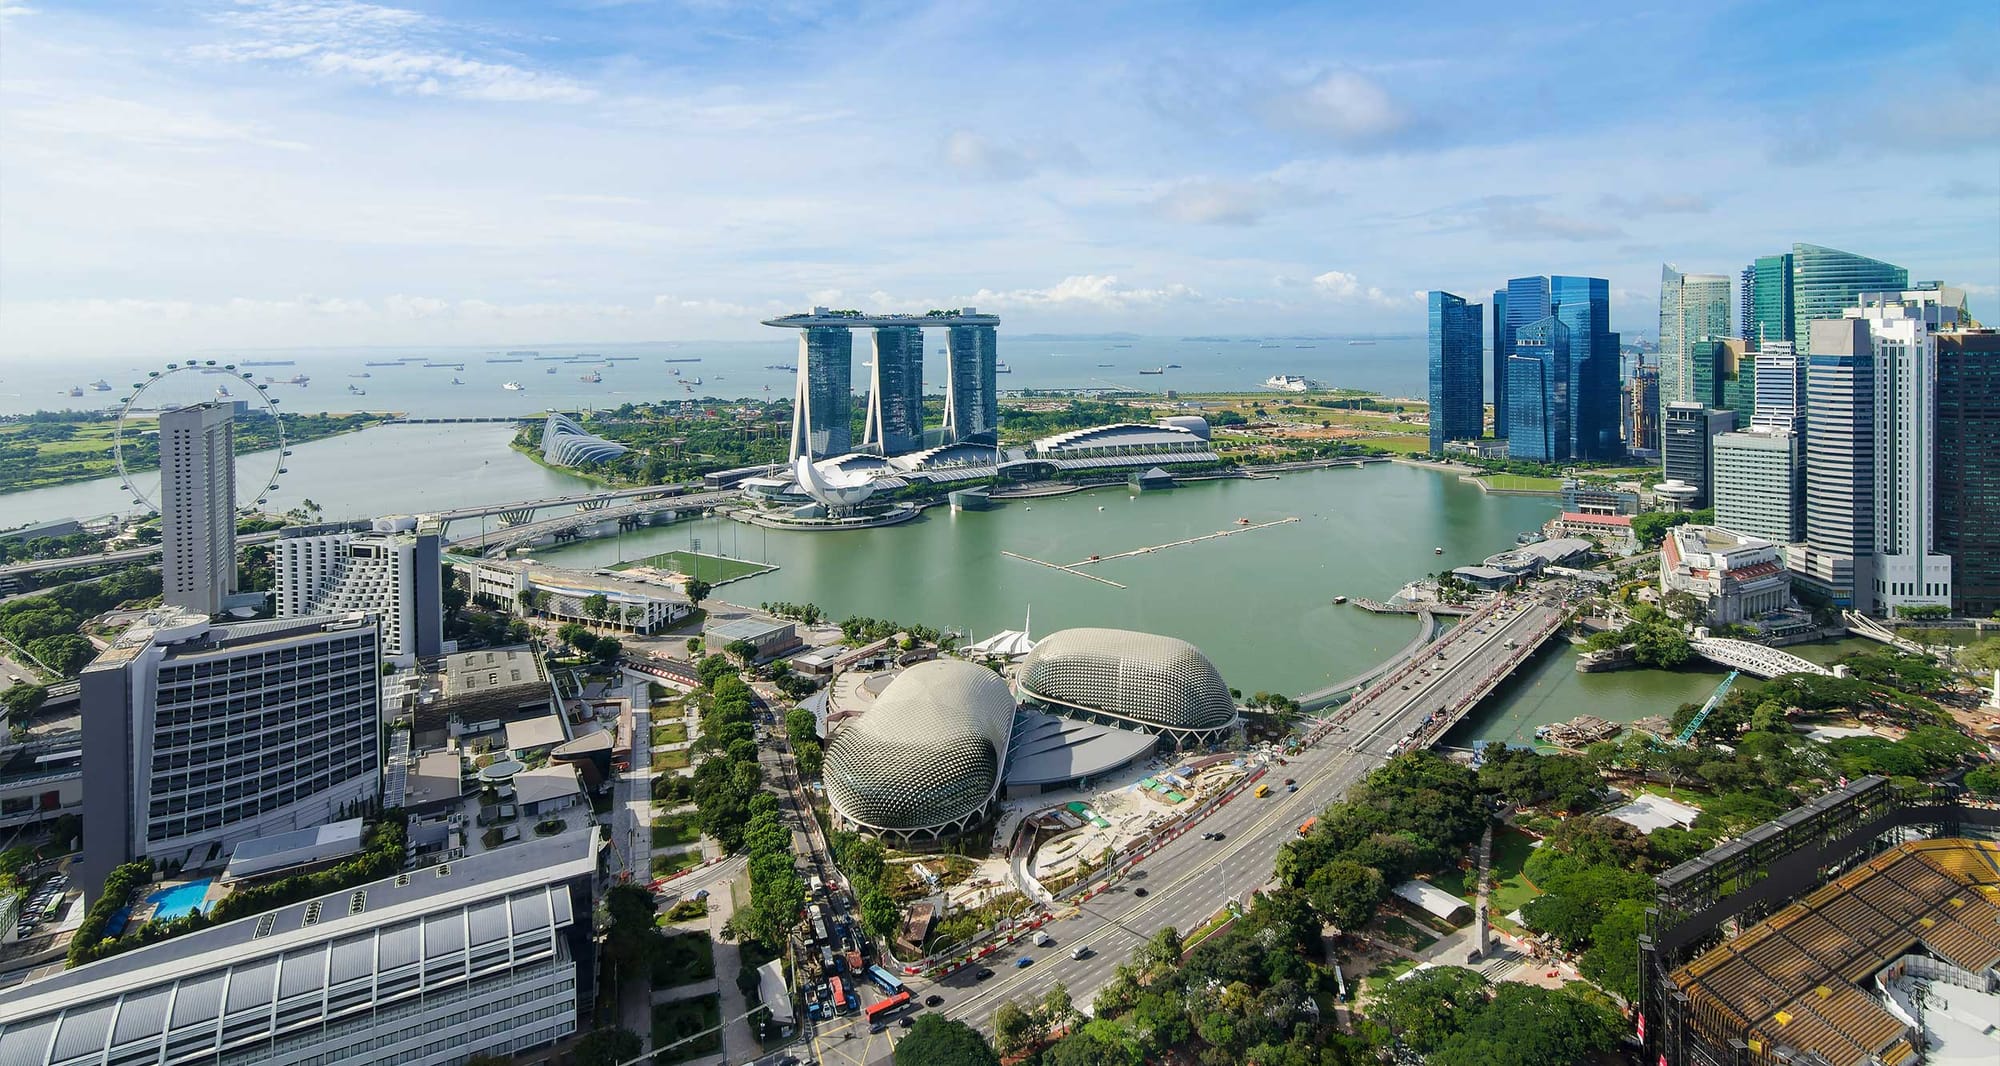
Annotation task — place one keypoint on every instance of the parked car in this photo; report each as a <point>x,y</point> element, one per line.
<point>982,975</point>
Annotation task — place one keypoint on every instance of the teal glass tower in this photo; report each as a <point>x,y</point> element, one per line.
<point>1458,385</point>
<point>895,422</point>
<point>1538,388</point>
<point>972,393</point>
<point>1583,305</point>
<point>1828,281</point>
<point>1767,301</point>
<point>1503,347</point>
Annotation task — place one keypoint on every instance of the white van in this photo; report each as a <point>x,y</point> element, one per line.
<point>1042,939</point>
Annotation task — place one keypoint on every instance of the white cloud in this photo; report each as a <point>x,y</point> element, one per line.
<point>1343,287</point>
<point>387,47</point>
<point>45,107</point>
<point>1342,105</point>
<point>1517,218</point>
<point>983,157</point>
<point>1223,202</point>
<point>1092,290</point>
<point>1656,204</point>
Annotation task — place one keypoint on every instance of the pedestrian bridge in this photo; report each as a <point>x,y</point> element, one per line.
<point>1756,660</point>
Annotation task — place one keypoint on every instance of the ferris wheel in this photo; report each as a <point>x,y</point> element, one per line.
<point>259,460</point>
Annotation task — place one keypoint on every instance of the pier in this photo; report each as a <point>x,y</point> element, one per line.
<point>1232,531</point>
<point>1061,567</point>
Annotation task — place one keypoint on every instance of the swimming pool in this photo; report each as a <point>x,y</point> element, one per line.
<point>171,903</point>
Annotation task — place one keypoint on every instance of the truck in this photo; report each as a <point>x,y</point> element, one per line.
<point>1307,825</point>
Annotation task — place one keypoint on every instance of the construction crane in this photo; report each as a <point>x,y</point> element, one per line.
<point>1714,699</point>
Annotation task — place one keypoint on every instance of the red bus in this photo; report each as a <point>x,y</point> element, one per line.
<point>883,1008</point>
<point>843,1000</point>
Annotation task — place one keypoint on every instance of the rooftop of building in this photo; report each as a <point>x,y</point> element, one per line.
<point>1796,980</point>
<point>822,316</point>
<point>750,629</point>
<point>1586,519</point>
<point>183,632</point>
<point>531,733</point>
<point>546,783</point>
<point>376,905</point>
<point>469,673</point>
<point>342,832</point>
<point>439,778</point>
<point>1048,749</point>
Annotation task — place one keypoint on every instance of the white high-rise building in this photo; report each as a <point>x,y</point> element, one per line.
<point>1902,328</point>
<point>391,572</point>
<point>1757,477</point>
<point>1780,388</point>
<point>197,737</point>
<point>1840,466</point>
<point>198,506</point>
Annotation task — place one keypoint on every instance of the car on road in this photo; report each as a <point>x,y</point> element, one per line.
<point>983,974</point>
<point>932,1001</point>
<point>1217,835</point>
<point>907,1021</point>
<point>1291,788</point>
<point>1289,781</point>
<point>1208,836</point>
<point>1082,952</point>
<point>1140,891</point>
<point>876,1027</point>
<point>1024,962</point>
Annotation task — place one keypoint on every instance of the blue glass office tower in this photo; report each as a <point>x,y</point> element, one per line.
<point>1458,384</point>
<point>1538,392</point>
<point>1827,281</point>
<point>1503,347</point>
<point>1527,301</point>
<point>895,422</point>
<point>1583,305</point>
<point>972,392</point>
<point>823,405</point>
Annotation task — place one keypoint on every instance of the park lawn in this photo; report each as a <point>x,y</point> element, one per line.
<point>676,759</point>
<point>674,830</point>
<point>675,863</point>
<point>1523,483</point>
<point>1402,445</point>
<point>682,959</point>
<point>710,568</point>
<point>1400,930</point>
<point>676,1021</point>
<point>1511,887</point>
<point>670,733</point>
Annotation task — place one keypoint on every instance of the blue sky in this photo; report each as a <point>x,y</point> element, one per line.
<point>250,173</point>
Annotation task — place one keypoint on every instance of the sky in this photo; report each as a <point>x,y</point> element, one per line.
<point>228,174</point>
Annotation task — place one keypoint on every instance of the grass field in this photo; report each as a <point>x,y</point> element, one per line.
<point>675,829</point>
<point>675,863</point>
<point>683,959</point>
<point>683,1018</point>
<point>1511,888</point>
<point>710,568</point>
<point>670,733</point>
<point>670,760</point>
<point>1523,483</point>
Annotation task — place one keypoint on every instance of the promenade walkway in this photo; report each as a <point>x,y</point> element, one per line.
<point>1427,627</point>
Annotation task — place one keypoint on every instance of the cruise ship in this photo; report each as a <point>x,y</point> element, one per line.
<point>512,386</point>
<point>101,385</point>
<point>590,378</point>
<point>1287,383</point>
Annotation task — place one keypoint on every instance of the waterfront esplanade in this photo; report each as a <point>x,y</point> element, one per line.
<point>822,408</point>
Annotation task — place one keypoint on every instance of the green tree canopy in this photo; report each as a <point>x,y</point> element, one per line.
<point>939,1041</point>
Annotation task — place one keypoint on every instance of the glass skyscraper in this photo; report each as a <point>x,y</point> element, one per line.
<point>1968,450</point>
<point>823,406</point>
<point>1767,301</point>
<point>1840,439</point>
<point>1458,383</point>
<point>895,422</point>
<point>972,393</point>
<point>1523,301</point>
<point>1591,416</point>
<point>1503,347</point>
<point>1538,390</point>
<point>1693,308</point>
<point>1827,281</point>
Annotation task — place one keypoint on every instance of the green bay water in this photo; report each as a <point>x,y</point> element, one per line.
<point>1259,602</point>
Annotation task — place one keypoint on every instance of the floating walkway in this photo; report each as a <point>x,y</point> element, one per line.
<point>1061,567</point>
<point>1231,531</point>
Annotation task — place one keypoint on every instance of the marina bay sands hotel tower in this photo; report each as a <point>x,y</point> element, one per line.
<point>822,408</point>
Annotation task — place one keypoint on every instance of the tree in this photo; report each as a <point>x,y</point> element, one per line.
<point>878,913</point>
<point>1057,1010</point>
<point>630,929</point>
<point>1096,1043</point>
<point>1164,951</point>
<point>1347,893</point>
<point>697,590</point>
<point>607,1047</point>
<point>939,1041</point>
<point>1428,1008</point>
<point>1014,1030</point>
<point>65,653</point>
<point>862,859</point>
<point>1685,606</point>
<point>597,606</point>
<point>1984,780</point>
<point>742,650</point>
<point>574,635</point>
<point>1613,958</point>
<point>606,649</point>
<point>21,701</point>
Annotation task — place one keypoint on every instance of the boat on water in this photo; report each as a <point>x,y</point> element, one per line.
<point>456,381</point>
<point>552,370</point>
<point>267,362</point>
<point>1002,368</point>
<point>357,390</point>
<point>1287,383</point>
<point>503,360</point>
<point>1270,346</point>
<point>1358,344</point>
<point>1173,366</point>
<point>690,359</point>
<point>591,378</point>
<point>363,374</point>
<point>1104,365</point>
<point>1305,345</point>
<point>1340,599</point>
<point>222,392</point>
<point>101,385</point>
<point>76,390</point>
<point>386,362</point>
<point>694,381</point>
<point>1155,370</point>
<point>779,367</point>
<point>1120,346</point>
<point>1437,551</point>
<point>296,379</point>
<point>513,386</point>
<point>444,366</point>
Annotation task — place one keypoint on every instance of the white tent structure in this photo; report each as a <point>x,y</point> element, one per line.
<point>1006,644</point>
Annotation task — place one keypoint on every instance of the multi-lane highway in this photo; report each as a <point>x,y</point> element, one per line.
<point>1189,879</point>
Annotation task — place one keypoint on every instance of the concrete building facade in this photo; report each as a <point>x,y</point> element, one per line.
<point>1757,477</point>
<point>1738,579</point>
<point>199,736</point>
<point>391,572</point>
<point>198,507</point>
